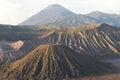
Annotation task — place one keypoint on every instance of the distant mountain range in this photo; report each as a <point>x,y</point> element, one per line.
<point>58,15</point>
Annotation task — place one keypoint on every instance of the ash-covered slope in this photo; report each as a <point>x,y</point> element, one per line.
<point>96,40</point>
<point>10,51</point>
<point>100,40</point>
<point>54,62</point>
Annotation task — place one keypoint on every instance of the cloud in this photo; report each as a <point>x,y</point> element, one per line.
<point>16,11</point>
<point>86,6</point>
<point>8,12</point>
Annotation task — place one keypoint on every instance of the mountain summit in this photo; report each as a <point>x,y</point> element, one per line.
<point>48,15</point>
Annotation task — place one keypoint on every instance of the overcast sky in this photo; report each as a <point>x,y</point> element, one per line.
<point>16,11</point>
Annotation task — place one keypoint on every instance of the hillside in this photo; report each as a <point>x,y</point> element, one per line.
<point>54,62</point>
<point>15,33</point>
<point>98,41</point>
<point>10,51</point>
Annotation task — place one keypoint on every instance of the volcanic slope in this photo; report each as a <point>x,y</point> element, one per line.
<point>9,53</point>
<point>99,41</point>
<point>54,62</point>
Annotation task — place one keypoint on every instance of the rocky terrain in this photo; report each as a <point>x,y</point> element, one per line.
<point>99,41</point>
<point>70,52</point>
<point>54,62</point>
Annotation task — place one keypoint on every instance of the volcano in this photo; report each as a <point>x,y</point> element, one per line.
<point>54,62</point>
<point>48,15</point>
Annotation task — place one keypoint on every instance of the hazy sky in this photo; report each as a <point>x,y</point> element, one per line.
<point>16,11</point>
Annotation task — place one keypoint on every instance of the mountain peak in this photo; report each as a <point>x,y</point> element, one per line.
<point>51,46</point>
<point>49,15</point>
<point>97,13</point>
<point>107,27</point>
<point>55,5</point>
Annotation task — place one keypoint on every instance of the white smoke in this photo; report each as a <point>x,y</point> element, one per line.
<point>1,51</point>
